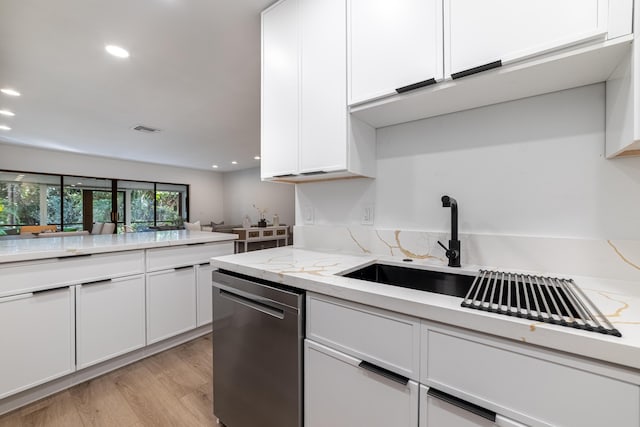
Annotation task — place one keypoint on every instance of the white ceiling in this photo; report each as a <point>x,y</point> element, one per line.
<point>194,73</point>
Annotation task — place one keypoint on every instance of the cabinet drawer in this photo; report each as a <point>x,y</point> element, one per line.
<point>524,383</point>
<point>171,303</point>
<point>387,339</point>
<point>164,258</point>
<point>34,275</point>
<point>110,319</point>
<point>339,390</point>
<point>37,338</point>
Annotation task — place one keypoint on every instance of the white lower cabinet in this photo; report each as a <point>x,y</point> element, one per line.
<point>110,319</point>
<point>205,291</point>
<point>341,391</point>
<point>37,338</point>
<point>171,302</point>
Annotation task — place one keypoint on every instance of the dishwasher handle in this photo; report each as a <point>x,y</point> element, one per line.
<point>251,303</point>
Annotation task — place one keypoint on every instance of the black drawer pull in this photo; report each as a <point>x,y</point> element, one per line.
<point>463,404</point>
<point>418,85</point>
<point>44,291</point>
<point>384,372</point>
<point>63,258</point>
<point>186,267</point>
<point>479,69</point>
<point>313,173</point>
<point>286,175</point>
<point>97,282</point>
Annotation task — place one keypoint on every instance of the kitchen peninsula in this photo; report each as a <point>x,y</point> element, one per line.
<point>81,306</point>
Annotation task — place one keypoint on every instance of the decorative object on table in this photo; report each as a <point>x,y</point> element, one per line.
<point>262,222</point>
<point>246,222</point>
<point>276,220</point>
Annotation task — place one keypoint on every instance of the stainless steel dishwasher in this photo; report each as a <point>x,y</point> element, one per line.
<point>258,334</point>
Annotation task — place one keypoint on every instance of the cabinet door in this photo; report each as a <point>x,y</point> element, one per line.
<point>481,32</point>
<point>205,291</point>
<point>37,338</point>
<point>340,393</point>
<point>437,410</point>
<point>110,319</point>
<point>171,303</point>
<point>323,143</point>
<point>280,83</point>
<point>393,43</point>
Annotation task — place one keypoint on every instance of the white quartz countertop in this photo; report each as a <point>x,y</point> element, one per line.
<point>619,301</point>
<point>53,247</point>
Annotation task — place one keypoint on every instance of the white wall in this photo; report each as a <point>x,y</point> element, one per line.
<point>205,188</point>
<point>243,189</point>
<point>529,167</point>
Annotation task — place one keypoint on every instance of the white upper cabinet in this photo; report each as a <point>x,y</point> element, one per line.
<point>482,32</point>
<point>307,133</point>
<point>393,44</point>
<point>280,74</point>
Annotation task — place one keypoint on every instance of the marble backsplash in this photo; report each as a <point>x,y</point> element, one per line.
<point>613,259</point>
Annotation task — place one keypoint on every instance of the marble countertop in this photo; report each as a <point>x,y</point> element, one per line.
<point>314,271</point>
<point>52,247</point>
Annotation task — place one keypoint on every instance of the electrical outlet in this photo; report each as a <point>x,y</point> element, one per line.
<point>308,215</point>
<point>367,215</point>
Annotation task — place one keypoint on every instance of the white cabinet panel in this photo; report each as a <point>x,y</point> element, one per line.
<point>37,339</point>
<point>171,303</point>
<point>205,291</point>
<point>480,32</point>
<point>392,44</point>
<point>280,97</point>
<point>524,384</point>
<point>20,277</point>
<point>340,393</point>
<point>179,256</point>
<point>323,142</point>
<point>390,340</point>
<point>110,319</point>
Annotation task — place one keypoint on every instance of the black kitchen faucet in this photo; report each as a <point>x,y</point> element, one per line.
<point>453,251</point>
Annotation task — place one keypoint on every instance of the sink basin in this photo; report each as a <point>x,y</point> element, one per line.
<point>423,280</point>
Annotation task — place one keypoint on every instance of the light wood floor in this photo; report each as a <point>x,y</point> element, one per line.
<point>173,388</point>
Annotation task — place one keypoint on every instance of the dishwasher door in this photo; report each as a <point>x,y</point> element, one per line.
<point>258,333</point>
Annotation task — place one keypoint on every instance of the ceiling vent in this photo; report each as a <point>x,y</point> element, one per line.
<point>145,129</point>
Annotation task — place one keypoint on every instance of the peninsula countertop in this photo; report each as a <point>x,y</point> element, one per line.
<point>53,247</point>
<point>319,272</point>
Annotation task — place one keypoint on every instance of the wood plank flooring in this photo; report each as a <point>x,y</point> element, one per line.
<point>172,388</point>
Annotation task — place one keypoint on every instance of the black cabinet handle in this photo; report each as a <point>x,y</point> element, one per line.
<point>97,282</point>
<point>313,173</point>
<point>418,85</point>
<point>186,267</point>
<point>44,291</point>
<point>63,258</point>
<point>286,175</point>
<point>478,69</point>
<point>463,404</point>
<point>384,372</point>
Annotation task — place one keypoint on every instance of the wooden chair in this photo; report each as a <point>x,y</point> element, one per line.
<point>37,228</point>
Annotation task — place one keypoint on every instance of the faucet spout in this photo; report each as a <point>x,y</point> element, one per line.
<point>453,252</point>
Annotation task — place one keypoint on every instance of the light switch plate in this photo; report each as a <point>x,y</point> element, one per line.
<point>367,215</point>
<point>308,215</point>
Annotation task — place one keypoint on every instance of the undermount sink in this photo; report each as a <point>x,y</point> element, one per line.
<point>412,278</point>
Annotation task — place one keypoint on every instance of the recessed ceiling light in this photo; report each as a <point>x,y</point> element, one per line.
<point>4,127</point>
<point>10,92</point>
<point>79,183</point>
<point>234,162</point>
<point>7,113</point>
<point>117,51</point>
<point>214,166</point>
<point>256,158</point>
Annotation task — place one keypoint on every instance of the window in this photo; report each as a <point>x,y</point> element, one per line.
<point>28,199</point>
<point>74,203</point>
